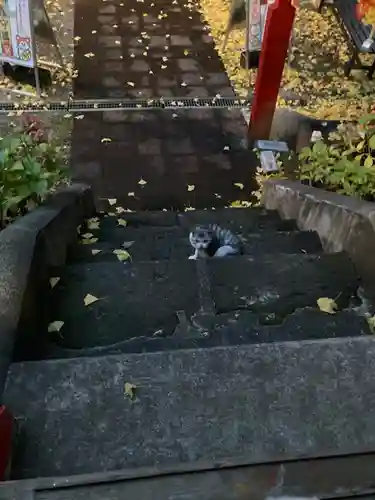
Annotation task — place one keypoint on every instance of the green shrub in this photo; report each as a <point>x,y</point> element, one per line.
<point>30,166</point>
<point>345,165</point>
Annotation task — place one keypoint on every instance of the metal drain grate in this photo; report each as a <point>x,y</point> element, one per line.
<point>84,105</point>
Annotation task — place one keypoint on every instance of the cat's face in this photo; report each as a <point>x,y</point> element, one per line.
<point>201,237</point>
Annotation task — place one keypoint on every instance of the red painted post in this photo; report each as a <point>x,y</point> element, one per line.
<point>6,432</point>
<point>277,33</point>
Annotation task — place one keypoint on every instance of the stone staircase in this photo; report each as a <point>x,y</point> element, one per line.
<point>139,377</point>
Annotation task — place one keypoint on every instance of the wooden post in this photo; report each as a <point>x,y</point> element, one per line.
<point>275,44</point>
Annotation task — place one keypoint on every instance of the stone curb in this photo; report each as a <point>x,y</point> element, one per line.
<point>342,222</point>
<point>29,248</point>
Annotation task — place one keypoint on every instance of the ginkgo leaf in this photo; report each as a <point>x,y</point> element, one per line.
<point>142,182</point>
<point>112,201</point>
<point>53,282</point>
<point>89,55</point>
<point>131,193</point>
<point>120,210</point>
<point>122,254</point>
<point>191,187</point>
<point>93,225</point>
<point>371,323</point>
<point>90,299</point>
<point>131,84</point>
<point>89,241</point>
<point>122,222</point>
<point>95,251</point>
<point>127,244</point>
<point>106,139</point>
<point>87,236</point>
<point>239,185</point>
<point>129,390</point>
<point>55,326</point>
<point>327,305</point>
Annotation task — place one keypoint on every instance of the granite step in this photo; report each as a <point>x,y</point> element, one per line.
<point>159,243</point>
<point>144,299</point>
<point>248,404</point>
<point>230,329</point>
<point>239,220</point>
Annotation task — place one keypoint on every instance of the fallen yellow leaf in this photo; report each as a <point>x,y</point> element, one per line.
<point>121,222</point>
<point>112,201</point>
<point>95,251</point>
<point>106,139</point>
<point>122,254</point>
<point>129,390</point>
<point>327,305</point>
<point>90,299</point>
<point>191,187</point>
<point>142,182</point>
<point>93,223</point>
<point>89,241</point>
<point>87,236</point>
<point>131,193</point>
<point>55,326</point>
<point>371,324</point>
<point>53,282</point>
<point>239,185</point>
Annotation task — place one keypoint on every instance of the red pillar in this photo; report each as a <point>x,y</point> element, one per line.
<point>277,33</point>
<point>6,432</point>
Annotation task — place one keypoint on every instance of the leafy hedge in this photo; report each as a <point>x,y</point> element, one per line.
<point>31,164</point>
<point>346,164</point>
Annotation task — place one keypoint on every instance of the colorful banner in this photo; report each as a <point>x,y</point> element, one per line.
<point>257,21</point>
<point>16,31</point>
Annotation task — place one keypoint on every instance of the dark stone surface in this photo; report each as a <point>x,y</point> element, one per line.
<point>148,50</point>
<point>149,243</point>
<point>293,242</point>
<point>268,402</point>
<point>229,329</point>
<point>135,300</point>
<point>342,222</point>
<point>276,287</point>
<point>29,247</point>
<point>137,219</point>
<point>320,478</point>
<point>173,243</point>
<point>16,254</point>
<point>315,478</point>
<point>239,219</point>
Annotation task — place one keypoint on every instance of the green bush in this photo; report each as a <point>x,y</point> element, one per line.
<point>346,164</point>
<point>30,166</point>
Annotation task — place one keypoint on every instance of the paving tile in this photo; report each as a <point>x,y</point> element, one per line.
<point>172,57</point>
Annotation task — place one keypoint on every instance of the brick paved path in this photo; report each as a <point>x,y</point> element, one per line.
<point>153,49</point>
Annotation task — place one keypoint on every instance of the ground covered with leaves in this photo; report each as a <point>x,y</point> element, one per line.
<point>316,70</point>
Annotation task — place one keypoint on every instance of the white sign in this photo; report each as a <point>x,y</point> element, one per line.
<point>16,33</point>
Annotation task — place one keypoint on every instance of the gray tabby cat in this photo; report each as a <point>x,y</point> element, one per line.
<point>214,241</point>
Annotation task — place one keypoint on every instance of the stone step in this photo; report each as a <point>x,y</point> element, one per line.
<point>240,220</point>
<point>229,329</point>
<point>318,478</point>
<point>248,404</point>
<point>159,243</point>
<point>143,299</point>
